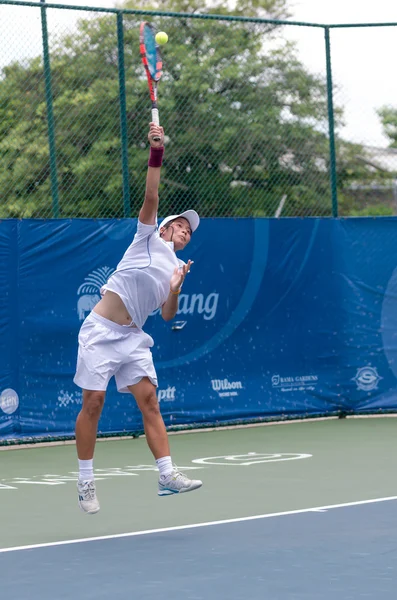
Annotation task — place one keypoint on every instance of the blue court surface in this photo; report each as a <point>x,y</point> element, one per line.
<point>340,552</point>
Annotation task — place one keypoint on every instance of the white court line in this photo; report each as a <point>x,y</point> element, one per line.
<point>196,525</point>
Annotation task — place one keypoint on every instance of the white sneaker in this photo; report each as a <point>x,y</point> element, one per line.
<point>88,501</point>
<point>177,483</point>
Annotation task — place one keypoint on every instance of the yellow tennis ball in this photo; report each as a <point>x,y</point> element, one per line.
<point>161,37</point>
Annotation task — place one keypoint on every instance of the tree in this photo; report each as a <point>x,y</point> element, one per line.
<point>388,116</point>
<point>247,124</point>
<point>367,176</point>
<point>363,183</point>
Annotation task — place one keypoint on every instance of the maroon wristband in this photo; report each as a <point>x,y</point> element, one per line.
<point>156,157</point>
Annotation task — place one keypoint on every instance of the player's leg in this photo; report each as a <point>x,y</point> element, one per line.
<point>86,434</point>
<point>145,395</point>
<point>87,423</point>
<point>171,481</point>
<point>97,361</point>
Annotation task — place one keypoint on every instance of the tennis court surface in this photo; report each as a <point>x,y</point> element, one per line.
<point>296,511</point>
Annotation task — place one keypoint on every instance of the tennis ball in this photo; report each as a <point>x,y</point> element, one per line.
<point>161,37</point>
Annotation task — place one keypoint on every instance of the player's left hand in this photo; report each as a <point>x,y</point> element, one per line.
<point>179,275</point>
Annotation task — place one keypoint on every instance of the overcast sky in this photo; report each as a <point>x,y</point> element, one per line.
<point>362,59</point>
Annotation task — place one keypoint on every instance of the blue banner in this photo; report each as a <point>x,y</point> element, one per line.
<point>278,318</point>
<point>9,346</point>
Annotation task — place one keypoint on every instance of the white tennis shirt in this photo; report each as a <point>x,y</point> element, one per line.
<point>142,277</point>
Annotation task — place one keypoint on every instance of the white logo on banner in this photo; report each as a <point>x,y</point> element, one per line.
<point>367,379</point>
<point>167,395</point>
<point>66,398</point>
<point>226,388</point>
<point>189,304</point>
<point>89,291</point>
<point>9,401</point>
<point>196,303</point>
<point>295,383</point>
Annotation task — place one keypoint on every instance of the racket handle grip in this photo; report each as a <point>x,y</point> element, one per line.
<point>156,120</point>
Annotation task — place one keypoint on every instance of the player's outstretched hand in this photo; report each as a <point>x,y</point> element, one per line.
<point>156,131</point>
<point>179,276</point>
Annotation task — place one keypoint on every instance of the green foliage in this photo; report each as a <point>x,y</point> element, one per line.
<point>375,210</point>
<point>246,123</point>
<point>388,117</point>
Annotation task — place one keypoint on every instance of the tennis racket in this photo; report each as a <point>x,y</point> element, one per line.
<point>151,59</point>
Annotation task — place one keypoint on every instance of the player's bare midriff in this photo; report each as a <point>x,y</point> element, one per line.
<point>113,308</point>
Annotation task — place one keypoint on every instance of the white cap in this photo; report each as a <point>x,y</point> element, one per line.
<point>189,215</point>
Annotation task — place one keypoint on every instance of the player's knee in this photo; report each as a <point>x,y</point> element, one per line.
<point>93,404</point>
<point>149,404</point>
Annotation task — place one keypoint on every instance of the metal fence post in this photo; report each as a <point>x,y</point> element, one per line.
<point>331,126</point>
<point>123,116</point>
<point>50,114</point>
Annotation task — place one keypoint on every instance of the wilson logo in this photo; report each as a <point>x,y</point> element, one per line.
<point>224,387</point>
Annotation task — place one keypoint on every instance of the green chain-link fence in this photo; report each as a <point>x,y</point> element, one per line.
<point>249,130</point>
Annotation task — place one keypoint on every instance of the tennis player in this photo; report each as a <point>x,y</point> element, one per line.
<point>112,341</point>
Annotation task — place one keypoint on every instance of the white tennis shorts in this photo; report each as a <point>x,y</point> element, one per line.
<point>107,349</point>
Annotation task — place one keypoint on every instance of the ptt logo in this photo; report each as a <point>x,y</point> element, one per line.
<point>367,379</point>
<point>167,395</point>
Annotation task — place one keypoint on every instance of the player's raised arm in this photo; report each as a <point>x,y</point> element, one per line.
<point>148,212</point>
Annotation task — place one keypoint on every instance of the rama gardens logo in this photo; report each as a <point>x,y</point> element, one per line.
<point>367,378</point>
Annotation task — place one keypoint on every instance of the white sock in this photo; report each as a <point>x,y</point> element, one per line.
<point>86,470</point>
<point>165,466</point>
